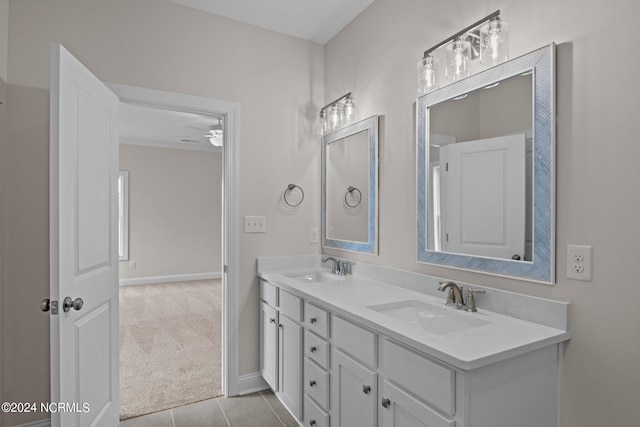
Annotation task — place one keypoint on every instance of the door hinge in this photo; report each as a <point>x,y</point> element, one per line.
<point>225,269</point>
<point>446,167</point>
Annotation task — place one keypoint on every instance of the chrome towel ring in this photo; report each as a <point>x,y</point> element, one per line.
<point>290,188</point>
<point>350,191</point>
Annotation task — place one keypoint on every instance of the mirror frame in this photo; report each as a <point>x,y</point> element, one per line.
<point>371,245</point>
<point>541,269</point>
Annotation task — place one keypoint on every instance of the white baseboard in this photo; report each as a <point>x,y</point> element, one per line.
<point>250,383</point>
<point>167,279</point>
<point>42,423</point>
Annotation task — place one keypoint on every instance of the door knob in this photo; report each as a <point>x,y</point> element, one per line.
<point>45,305</point>
<point>68,304</point>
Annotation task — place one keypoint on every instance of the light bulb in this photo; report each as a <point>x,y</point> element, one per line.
<point>494,42</point>
<point>348,112</point>
<point>334,118</point>
<point>457,59</point>
<point>427,74</point>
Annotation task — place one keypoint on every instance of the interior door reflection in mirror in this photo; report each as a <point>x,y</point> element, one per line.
<point>480,166</point>
<point>347,192</point>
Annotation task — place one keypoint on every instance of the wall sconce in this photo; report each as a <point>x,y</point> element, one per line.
<point>487,39</point>
<point>337,114</point>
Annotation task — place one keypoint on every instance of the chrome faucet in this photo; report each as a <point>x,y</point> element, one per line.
<point>341,268</point>
<point>336,264</point>
<point>454,298</point>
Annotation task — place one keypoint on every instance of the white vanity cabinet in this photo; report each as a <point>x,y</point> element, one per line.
<point>334,368</point>
<point>281,345</point>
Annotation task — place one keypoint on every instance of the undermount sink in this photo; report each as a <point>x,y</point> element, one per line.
<point>315,277</point>
<point>432,318</point>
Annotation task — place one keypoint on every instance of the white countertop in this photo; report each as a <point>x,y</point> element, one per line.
<point>500,338</point>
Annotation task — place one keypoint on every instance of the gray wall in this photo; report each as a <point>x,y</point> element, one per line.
<point>276,79</point>
<point>175,211</point>
<point>598,202</point>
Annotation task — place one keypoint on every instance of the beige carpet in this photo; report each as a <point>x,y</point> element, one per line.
<point>170,345</point>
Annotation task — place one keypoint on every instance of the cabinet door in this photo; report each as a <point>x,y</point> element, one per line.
<point>269,345</point>
<point>353,393</point>
<point>290,365</point>
<point>399,409</point>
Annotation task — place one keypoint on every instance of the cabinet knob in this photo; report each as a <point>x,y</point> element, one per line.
<point>366,389</point>
<point>272,320</point>
<point>312,422</point>
<point>313,320</point>
<point>312,349</point>
<point>385,402</point>
<point>312,383</point>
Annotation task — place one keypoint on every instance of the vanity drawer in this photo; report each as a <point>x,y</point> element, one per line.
<point>431,382</point>
<point>316,349</point>
<point>316,382</point>
<point>316,319</point>
<point>314,416</point>
<point>291,305</point>
<point>355,340</point>
<point>269,293</point>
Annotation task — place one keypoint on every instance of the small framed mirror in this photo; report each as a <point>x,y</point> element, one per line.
<point>350,187</point>
<point>486,183</point>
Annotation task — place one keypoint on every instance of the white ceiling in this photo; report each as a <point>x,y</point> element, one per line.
<point>314,20</point>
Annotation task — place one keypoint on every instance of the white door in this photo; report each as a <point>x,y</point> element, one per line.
<point>269,347</point>
<point>400,409</point>
<point>354,390</point>
<point>84,245</point>
<point>290,364</point>
<point>484,186</point>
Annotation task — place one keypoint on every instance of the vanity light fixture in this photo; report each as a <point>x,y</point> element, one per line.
<point>337,114</point>
<point>215,134</point>
<point>486,39</point>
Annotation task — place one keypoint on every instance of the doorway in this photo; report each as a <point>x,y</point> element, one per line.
<point>170,263</point>
<point>228,111</point>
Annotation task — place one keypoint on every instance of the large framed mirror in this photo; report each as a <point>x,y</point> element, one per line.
<point>486,170</point>
<point>350,187</point>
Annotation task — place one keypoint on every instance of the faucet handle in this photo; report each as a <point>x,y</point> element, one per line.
<point>471,301</point>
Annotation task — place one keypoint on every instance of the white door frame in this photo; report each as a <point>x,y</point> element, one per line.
<point>230,110</point>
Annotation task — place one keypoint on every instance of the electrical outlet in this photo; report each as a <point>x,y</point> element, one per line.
<point>255,224</point>
<point>579,262</point>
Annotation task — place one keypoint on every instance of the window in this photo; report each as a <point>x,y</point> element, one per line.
<point>123,215</point>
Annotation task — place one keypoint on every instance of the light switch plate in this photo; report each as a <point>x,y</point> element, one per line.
<point>255,224</point>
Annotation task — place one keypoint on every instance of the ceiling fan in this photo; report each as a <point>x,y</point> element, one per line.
<point>214,134</point>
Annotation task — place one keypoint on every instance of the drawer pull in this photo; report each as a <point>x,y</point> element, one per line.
<point>385,402</point>
<point>366,389</point>
<point>313,320</point>
<point>272,320</point>
<point>312,383</point>
<point>312,422</point>
<point>312,349</point>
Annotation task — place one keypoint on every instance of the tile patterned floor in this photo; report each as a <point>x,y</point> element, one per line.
<point>258,409</point>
